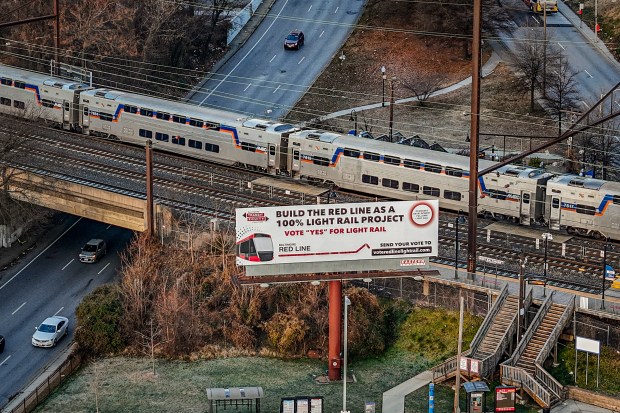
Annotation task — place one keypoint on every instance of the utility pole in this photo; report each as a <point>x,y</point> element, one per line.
<point>457,388</point>
<point>57,37</point>
<point>521,315</point>
<point>149,189</point>
<point>474,135</point>
<point>545,50</point>
<point>391,106</point>
<point>604,274</point>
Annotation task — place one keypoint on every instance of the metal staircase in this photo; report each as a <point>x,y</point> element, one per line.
<point>492,339</point>
<point>524,368</point>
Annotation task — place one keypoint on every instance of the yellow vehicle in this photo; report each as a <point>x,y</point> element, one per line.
<point>616,284</point>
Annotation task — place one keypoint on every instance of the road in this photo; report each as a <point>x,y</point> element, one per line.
<point>50,283</point>
<point>596,74</point>
<point>264,80</point>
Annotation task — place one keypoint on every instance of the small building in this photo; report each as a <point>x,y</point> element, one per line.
<point>246,399</point>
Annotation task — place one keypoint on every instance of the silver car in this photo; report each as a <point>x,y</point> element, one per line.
<point>50,331</point>
<point>93,250</point>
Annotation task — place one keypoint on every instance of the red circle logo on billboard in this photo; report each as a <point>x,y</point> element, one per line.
<point>422,214</point>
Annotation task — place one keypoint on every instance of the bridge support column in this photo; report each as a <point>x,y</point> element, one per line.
<point>335,316</point>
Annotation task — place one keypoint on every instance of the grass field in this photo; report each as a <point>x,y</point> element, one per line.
<point>123,384</point>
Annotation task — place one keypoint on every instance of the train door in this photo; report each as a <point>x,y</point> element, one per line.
<point>272,156</point>
<point>282,161</point>
<point>296,160</point>
<point>66,114</point>
<point>525,213</point>
<point>85,117</point>
<point>555,213</point>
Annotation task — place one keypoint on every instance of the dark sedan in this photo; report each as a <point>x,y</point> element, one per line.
<point>294,40</point>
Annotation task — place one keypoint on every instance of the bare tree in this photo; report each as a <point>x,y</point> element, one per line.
<point>562,93</point>
<point>424,86</point>
<point>530,62</point>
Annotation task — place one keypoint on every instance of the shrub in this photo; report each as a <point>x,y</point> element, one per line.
<point>98,322</point>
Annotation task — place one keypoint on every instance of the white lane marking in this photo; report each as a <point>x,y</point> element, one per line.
<point>310,8</point>
<point>41,253</point>
<point>247,87</point>
<point>63,268</point>
<point>18,308</point>
<point>588,73</point>
<point>276,89</point>
<point>560,44</point>
<point>274,56</point>
<point>302,59</point>
<point>5,360</point>
<point>336,11</point>
<point>585,104</point>
<point>106,266</point>
<point>247,54</point>
<point>108,227</point>
<point>321,35</point>
<point>536,20</point>
<point>616,103</point>
<point>61,308</point>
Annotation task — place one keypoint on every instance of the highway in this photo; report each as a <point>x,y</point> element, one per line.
<point>50,282</point>
<point>264,80</point>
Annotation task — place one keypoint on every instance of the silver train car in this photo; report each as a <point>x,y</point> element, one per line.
<point>37,96</point>
<point>513,193</point>
<point>584,206</point>
<point>519,194</point>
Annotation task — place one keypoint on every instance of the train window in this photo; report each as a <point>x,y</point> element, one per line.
<point>178,119</point>
<point>178,140</point>
<point>5,101</point>
<point>409,187</point>
<point>317,160</point>
<point>6,81</point>
<point>585,209</point>
<point>369,179</point>
<point>85,111</point>
<point>429,190</point>
<point>616,199</point>
<point>272,150</point>
<point>390,183</point>
<point>19,84</point>
<point>19,105</point>
<point>526,198</point>
<point>369,156</point>
<point>130,109</point>
<point>432,167</point>
<point>47,103</point>
<point>412,164</point>
<point>296,155</point>
<point>162,137</point>
<point>66,106</point>
<point>352,153</point>
<point>146,112</point>
<point>391,160</point>
<point>212,125</point>
<point>162,115</point>
<point>211,147</point>
<point>495,194</point>
<point>106,116</point>
<point>555,203</point>
<point>146,133</point>
<point>248,146</point>
<point>455,196</point>
<point>454,172</point>
<point>194,144</point>
<point>196,122</point>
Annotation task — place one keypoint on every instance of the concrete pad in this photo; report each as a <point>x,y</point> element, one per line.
<point>572,406</point>
<point>394,398</point>
<point>300,187</point>
<point>526,231</point>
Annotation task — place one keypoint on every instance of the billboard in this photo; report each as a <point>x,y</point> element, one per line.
<point>337,232</point>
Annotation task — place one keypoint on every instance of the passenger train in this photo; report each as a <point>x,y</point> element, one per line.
<point>519,194</point>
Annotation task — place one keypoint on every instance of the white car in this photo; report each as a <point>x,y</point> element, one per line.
<point>50,331</point>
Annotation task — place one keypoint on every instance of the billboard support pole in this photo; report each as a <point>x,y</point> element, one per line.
<point>335,314</point>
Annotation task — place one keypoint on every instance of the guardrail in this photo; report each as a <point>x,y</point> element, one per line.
<point>43,390</point>
<point>516,376</point>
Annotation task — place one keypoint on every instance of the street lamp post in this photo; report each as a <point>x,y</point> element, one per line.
<point>605,247</point>
<point>347,303</point>
<point>460,219</point>
<point>354,119</point>
<point>546,237</point>
<point>383,76</point>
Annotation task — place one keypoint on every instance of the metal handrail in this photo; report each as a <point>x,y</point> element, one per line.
<point>488,320</point>
<point>530,331</point>
<point>549,382</point>
<point>517,376</point>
